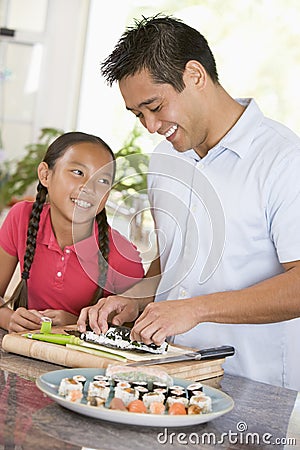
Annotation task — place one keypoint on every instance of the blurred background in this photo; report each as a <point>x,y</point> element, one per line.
<point>49,67</point>
<point>50,55</point>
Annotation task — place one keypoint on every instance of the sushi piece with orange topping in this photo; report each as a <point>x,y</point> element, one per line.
<point>157,408</point>
<point>117,404</point>
<point>137,406</point>
<point>177,409</point>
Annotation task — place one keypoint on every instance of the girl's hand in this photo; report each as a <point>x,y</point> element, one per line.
<point>59,317</point>
<point>116,309</point>
<point>24,320</point>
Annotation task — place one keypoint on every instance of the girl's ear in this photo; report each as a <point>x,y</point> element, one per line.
<point>43,173</point>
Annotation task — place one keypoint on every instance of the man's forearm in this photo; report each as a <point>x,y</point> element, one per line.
<point>272,300</point>
<point>144,291</point>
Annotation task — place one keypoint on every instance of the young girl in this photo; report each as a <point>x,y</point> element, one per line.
<point>69,256</point>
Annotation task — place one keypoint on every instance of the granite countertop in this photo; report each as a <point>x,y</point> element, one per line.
<point>263,414</point>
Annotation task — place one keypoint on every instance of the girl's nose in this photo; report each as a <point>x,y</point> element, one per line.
<point>84,188</point>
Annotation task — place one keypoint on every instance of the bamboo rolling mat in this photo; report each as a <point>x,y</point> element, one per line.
<point>63,356</point>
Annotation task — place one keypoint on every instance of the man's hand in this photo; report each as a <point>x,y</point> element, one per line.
<point>162,319</point>
<point>116,309</point>
<point>24,320</point>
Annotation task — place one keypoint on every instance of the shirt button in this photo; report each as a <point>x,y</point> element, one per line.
<point>200,166</point>
<point>194,207</point>
<point>62,258</point>
<point>59,274</point>
<point>182,292</point>
<point>68,250</point>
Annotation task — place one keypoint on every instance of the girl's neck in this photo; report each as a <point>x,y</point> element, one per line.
<point>68,234</point>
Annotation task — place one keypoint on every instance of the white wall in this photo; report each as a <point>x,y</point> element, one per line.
<point>61,71</point>
<point>100,105</point>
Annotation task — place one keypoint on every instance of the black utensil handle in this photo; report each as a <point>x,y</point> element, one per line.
<point>216,352</point>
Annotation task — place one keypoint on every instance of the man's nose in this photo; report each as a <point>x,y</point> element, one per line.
<point>151,123</point>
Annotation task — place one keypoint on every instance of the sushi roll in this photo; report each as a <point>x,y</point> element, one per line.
<point>123,384</point>
<point>194,389</point>
<point>178,392</point>
<point>126,394</point>
<point>163,391</point>
<point>67,385</point>
<point>151,397</point>
<point>159,385</point>
<point>194,409</point>
<point>96,389</point>
<point>203,401</point>
<point>139,383</point>
<point>173,399</point>
<point>115,381</point>
<point>74,396</point>
<point>100,378</point>
<point>141,390</point>
<point>157,408</point>
<point>175,387</point>
<point>102,383</point>
<point>80,378</point>
<point>95,401</point>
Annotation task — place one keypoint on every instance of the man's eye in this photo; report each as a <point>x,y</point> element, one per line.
<point>156,109</point>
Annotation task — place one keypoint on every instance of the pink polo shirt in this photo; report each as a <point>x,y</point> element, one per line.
<point>67,279</point>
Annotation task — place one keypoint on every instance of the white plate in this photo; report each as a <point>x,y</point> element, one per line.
<point>49,383</point>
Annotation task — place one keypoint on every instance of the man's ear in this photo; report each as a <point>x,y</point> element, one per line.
<point>43,173</point>
<point>195,74</point>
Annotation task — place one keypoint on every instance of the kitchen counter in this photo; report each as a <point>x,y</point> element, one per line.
<point>264,416</point>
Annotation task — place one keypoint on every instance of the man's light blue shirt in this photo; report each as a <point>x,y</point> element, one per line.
<point>225,222</point>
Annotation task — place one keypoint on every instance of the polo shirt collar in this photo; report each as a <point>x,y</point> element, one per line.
<point>85,249</point>
<point>241,135</point>
<point>239,138</point>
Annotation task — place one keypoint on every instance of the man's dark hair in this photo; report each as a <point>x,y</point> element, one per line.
<point>162,45</point>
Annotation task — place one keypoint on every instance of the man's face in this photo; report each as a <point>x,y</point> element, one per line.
<point>163,110</point>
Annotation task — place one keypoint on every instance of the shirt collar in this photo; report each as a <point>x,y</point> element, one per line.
<point>45,233</point>
<point>241,135</point>
<point>85,249</point>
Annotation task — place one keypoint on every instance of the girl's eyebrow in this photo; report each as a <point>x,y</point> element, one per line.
<point>77,163</point>
<point>108,174</point>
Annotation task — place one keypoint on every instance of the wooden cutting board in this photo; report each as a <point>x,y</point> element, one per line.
<point>61,355</point>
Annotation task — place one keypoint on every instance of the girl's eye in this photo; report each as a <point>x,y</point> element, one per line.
<point>104,181</point>
<point>77,172</point>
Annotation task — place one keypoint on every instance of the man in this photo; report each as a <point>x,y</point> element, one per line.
<point>225,191</point>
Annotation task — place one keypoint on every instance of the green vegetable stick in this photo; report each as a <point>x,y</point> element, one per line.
<point>53,338</point>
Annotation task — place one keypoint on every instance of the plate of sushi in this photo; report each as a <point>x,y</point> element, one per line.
<point>144,396</point>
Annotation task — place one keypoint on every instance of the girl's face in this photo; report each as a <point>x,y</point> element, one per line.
<point>79,183</point>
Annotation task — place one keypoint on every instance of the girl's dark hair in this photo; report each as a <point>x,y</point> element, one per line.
<point>55,151</point>
<point>162,45</point>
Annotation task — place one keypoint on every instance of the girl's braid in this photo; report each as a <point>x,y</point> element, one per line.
<point>20,297</point>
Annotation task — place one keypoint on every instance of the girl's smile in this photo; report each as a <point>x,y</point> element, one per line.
<point>78,187</point>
